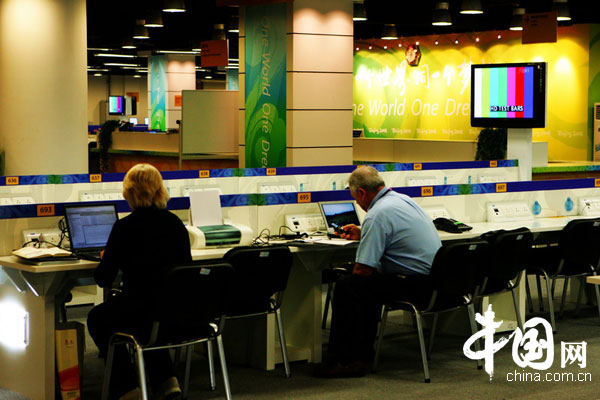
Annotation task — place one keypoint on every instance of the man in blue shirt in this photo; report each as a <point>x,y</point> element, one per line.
<point>397,245</point>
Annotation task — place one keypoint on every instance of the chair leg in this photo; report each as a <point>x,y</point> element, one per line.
<point>471,311</point>
<point>139,360</point>
<point>107,372</point>
<point>224,367</point>
<point>563,297</point>
<point>579,294</point>
<point>422,346</point>
<point>597,291</point>
<point>550,302</point>
<point>516,304</point>
<point>211,365</point>
<point>539,289</point>
<point>188,366</point>
<point>528,293</point>
<point>284,354</point>
<point>384,313</point>
<point>176,358</point>
<point>327,305</point>
<point>553,287</point>
<point>432,335</point>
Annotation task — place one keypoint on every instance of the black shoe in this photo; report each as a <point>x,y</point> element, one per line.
<point>337,369</point>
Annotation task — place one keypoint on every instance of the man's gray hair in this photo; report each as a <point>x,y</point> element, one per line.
<point>367,178</point>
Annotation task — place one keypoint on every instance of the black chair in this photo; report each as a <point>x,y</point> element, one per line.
<point>261,275</point>
<point>454,284</point>
<point>502,273</point>
<point>576,256</point>
<point>187,310</point>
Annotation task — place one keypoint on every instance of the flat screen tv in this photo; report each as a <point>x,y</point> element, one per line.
<point>508,95</point>
<point>116,105</point>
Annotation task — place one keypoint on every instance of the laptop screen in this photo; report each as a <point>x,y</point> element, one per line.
<point>340,213</point>
<point>90,225</point>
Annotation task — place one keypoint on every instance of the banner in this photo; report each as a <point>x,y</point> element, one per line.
<point>265,86</point>
<point>158,93</point>
<point>432,100</point>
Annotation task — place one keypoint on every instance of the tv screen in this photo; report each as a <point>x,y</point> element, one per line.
<point>116,105</point>
<point>508,95</point>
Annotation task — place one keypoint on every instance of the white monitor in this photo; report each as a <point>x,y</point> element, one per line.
<point>133,120</point>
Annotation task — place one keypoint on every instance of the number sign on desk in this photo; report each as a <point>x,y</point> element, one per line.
<point>204,173</point>
<point>95,178</point>
<point>271,171</point>
<point>304,197</point>
<point>45,210</point>
<point>12,180</point>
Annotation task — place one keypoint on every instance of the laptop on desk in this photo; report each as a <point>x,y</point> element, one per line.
<point>338,214</point>
<point>89,226</point>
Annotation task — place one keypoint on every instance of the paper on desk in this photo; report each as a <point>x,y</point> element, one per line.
<point>205,207</point>
<point>335,242</point>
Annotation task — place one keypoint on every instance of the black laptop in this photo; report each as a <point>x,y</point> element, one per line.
<point>89,226</point>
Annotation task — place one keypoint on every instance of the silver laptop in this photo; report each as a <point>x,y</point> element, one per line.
<point>338,214</point>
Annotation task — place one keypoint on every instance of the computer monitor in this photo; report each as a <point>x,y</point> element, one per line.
<point>89,225</point>
<point>338,213</point>
<point>508,95</point>
<point>116,105</point>
<point>133,120</point>
<point>146,121</point>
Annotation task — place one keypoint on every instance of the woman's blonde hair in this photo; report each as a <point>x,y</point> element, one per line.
<point>143,187</point>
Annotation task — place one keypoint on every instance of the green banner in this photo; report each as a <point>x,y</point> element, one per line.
<point>265,86</point>
<point>158,88</point>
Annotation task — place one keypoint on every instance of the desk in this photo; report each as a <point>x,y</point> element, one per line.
<point>30,370</point>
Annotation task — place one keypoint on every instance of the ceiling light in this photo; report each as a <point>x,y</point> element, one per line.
<point>128,44</point>
<point>234,24</point>
<point>140,31</point>
<point>436,42</point>
<point>97,49</point>
<point>137,76</point>
<point>477,39</point>
<point>154,20</point>
<point>174,6</point>
<point>456,41</point>
<point>114,55</point>
<point>98,74</point>
<point>98,69</point>
<point>389,32</point>
<point>562,10</point>
<point>232,67</point>
<point>499,36</point>
<point>471,7</point>
<point>359,14</point>
<point>218,32</point>
<point>441,14</point>
<point>121,65</point>
<point>208,77</point>
<point>516,23</point>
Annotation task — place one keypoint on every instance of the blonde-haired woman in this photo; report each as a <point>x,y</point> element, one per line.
<point>141,246</point>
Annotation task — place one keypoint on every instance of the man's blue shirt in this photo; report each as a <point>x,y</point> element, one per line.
<point>397,236</point>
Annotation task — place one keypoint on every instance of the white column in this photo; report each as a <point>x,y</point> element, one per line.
<point>43,86</point>
<point>319,82</point>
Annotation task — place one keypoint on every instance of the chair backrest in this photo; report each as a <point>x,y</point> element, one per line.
<point>260,273</point>
<point>579,242</point>
<point>454,267</point>
<point>191,296</point>
<point>509,253</point>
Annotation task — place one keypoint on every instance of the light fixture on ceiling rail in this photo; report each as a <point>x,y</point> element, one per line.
<point>154,19</point>
<point>516,23</point>
<point>174,6</point>
<point>189,52</point>
<point>114,55</point>
<point>562,10</point>
<point>98,74</point>
<point>389,32</point>
<point>234,24</point>
<point>92,69</point>
<point>98,49</point>
<point>140,31</point>
<point>137,76</point>
<point>111,64</point>
<point>471,7</point>
<point>441,14</point>
<point>218,32</point>
<point>359,13</point>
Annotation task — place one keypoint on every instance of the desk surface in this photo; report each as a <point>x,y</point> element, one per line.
<point>536,226</point>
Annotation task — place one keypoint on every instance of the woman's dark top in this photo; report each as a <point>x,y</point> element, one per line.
<point>143,245</point>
